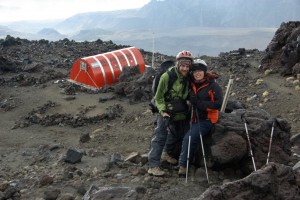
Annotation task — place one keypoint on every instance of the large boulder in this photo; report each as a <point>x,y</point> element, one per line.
<point>228,145</point>
<point>283,52</point>
<point>273,181</point>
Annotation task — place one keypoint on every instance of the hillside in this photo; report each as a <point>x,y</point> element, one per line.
<point>43,117</point>
<point>210,27</point>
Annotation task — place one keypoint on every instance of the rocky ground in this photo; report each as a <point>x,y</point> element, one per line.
<point>45,119</point>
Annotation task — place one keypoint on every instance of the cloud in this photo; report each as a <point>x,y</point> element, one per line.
<point>16,10</point>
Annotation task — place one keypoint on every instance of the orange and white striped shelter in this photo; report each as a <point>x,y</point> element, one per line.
<point>100,70</point>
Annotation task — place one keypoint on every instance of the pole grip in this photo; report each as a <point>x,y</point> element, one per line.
<point>225,100</point>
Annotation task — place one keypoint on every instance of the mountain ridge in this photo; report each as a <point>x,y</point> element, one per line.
<point>173,25</point>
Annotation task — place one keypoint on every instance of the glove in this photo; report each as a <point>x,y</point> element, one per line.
<point>166,121</point>
<point>193,98</point>
<point>202,105</point>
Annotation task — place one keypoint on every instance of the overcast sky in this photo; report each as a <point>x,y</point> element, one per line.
<point>16,10</point>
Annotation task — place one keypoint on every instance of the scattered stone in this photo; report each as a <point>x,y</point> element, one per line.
<point>11,192</point>
<point>70,98</point>
<point>259,81</point>
<point>51,194</point>
<point>268,72</point>
<point>4,185</point>
<point>144,158</point>
<point>85,138</point>
<point>66,196</point>
<point>251,98</point>
<point>265,94</point>
<point>115,159</point>
<point>55,146</point>
<point>73,156</point>
<point>134,157</point>
<point>46,180</point>
<point>290,79</point>
<point>116,193</point>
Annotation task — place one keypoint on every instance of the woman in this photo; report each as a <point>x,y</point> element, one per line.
<point>206,99</point>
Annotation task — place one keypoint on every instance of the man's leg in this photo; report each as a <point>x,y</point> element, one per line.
<point>174,140</point>
<point>157,145</point>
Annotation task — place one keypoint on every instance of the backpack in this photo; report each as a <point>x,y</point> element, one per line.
<point>164,66</point>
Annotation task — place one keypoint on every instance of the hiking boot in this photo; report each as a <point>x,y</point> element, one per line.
<point>168,158</point>
<point>156,171</point>
<point>181,171</point>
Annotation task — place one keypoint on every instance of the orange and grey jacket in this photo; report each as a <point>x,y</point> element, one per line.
<point>209,98</point>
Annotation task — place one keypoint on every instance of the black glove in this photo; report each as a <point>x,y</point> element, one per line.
<point>203,105</point>
<point>166,121</point>
<point>193,98</point>
<point>153,108</point>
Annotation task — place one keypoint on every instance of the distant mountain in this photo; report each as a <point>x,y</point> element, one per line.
<point>95,20</point>
<point>189,13</point>
<point>48,31</point>
<point>32,26</point>
<point>4,30</point>
<point>168,26</point>
<point>91,34</point>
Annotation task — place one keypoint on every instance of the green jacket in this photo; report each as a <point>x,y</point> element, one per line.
<point>177,92</point>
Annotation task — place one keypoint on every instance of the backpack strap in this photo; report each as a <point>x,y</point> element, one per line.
<point>172,78</point>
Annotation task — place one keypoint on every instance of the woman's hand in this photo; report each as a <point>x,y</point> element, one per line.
<point>193,98</point>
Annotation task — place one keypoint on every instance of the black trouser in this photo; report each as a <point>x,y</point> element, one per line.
<point>176,133</point>
<point>167,138</point>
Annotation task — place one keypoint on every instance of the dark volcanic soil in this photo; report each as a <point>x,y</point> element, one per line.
<point>31,155</point>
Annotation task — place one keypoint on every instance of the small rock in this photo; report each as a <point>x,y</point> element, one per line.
<point>251,98</point>
<point>133,157</point>
<point>69,98</point>
<point>73,156</point>
<point>266,93</point>
<point>290,79</point>
<point>259,81</point>
<point>85,138</point>
<point>268,72</point>
<point>66,196</point>
<point>51,194</point>
<point>46,180</point>
<point>3,185</point>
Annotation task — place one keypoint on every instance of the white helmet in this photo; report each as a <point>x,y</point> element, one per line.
<point>200,61</point>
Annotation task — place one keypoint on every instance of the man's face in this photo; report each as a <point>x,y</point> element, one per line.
<point>184,66</point>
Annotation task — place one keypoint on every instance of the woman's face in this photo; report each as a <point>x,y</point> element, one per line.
<point>198,75</point>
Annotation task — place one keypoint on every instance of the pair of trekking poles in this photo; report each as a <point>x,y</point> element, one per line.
<point>189,145</point>
<point>202,146</point>
<point>249,143</point>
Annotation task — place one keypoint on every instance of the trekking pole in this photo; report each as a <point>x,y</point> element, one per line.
<point>225,100</point>
<point>249,143</point>
<point>203,153</point>
<point>189,146</point>
<point>271,137</point>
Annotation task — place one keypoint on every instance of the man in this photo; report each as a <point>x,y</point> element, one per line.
<point>173,110</point>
